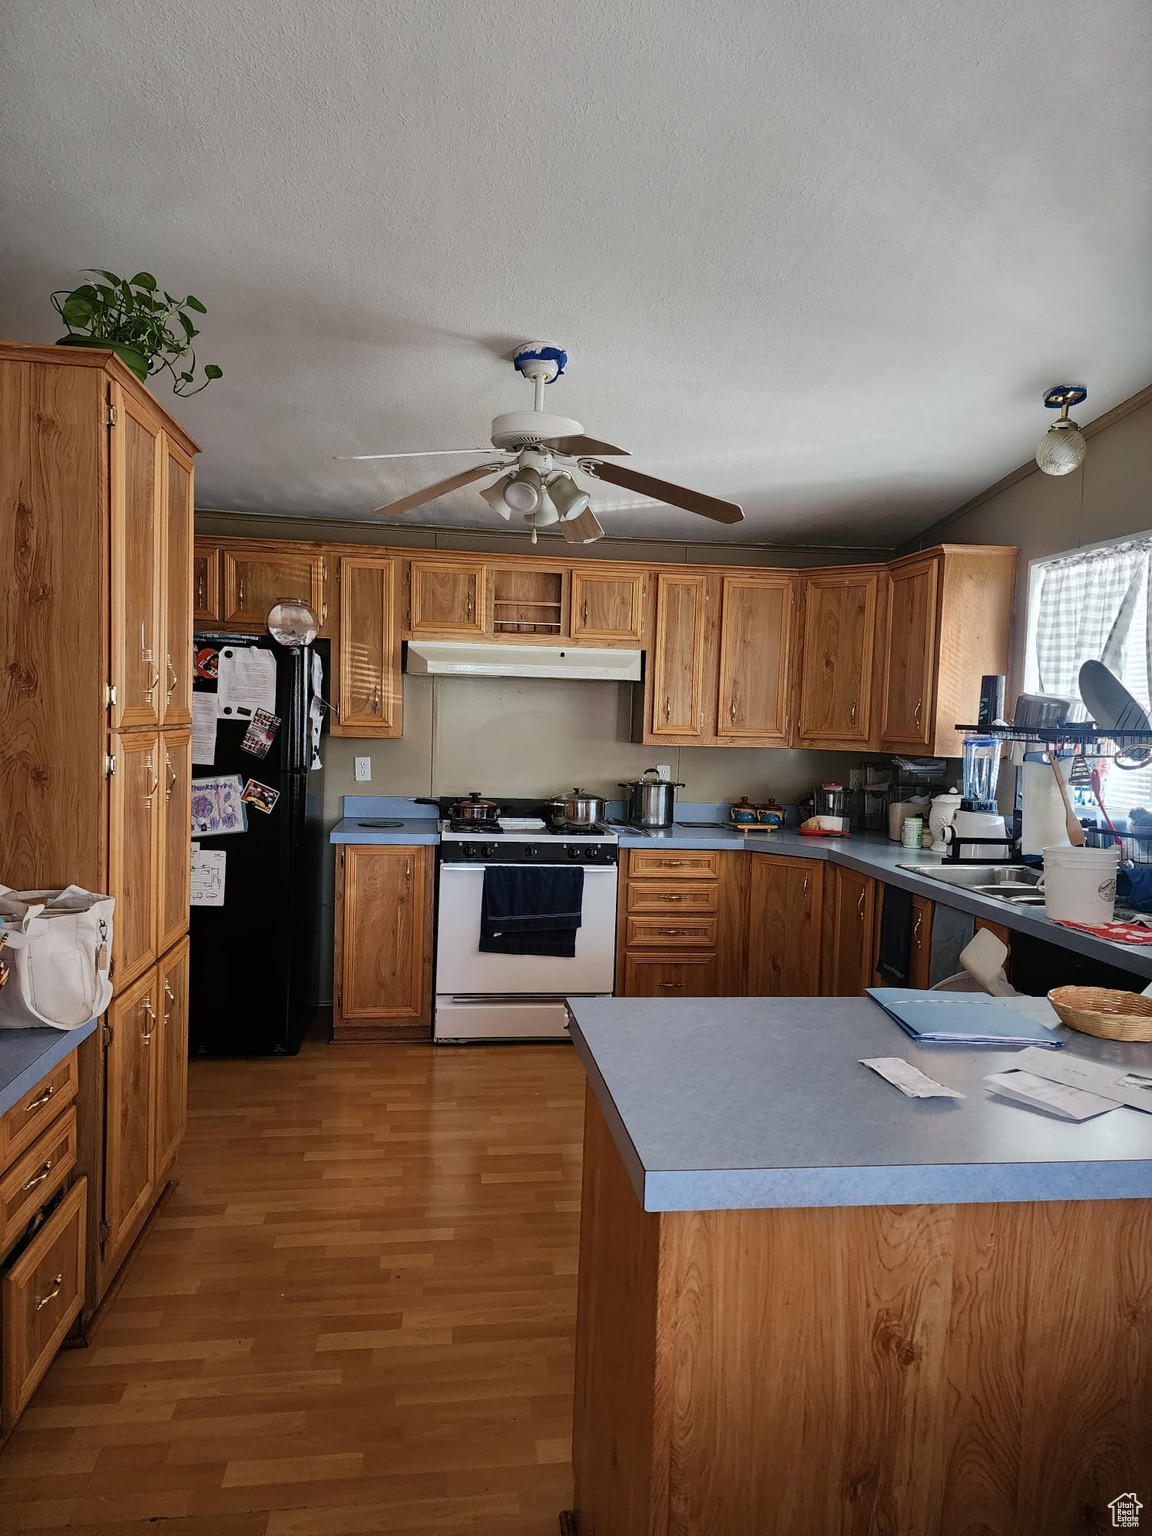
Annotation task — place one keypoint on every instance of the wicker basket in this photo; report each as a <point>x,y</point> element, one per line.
<point>1104,1013</point>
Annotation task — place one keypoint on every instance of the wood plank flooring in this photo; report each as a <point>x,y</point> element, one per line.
<point>354,1315</point>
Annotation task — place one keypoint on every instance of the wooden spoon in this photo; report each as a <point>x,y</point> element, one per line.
<point>1075,830</point>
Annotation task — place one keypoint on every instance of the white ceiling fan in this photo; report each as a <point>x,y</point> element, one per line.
<point>529,480</point>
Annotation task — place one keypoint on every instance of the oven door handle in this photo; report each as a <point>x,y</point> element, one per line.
<point>478,869</point>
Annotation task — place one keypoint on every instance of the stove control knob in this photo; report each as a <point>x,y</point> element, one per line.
<point>574,852</point>
<point>531,851</point>
<point>488,850</point>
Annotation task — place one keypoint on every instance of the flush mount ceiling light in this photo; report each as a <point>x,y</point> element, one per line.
<point>1062,448</point>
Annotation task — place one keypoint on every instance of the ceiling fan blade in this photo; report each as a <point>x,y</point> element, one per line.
<point>581,444</point>
<point>663,490</point>
<point>584,529</point>
<point>441,488</point>
<point>428,453</point>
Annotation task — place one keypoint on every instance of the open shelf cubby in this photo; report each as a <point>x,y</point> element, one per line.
<point>528,602</point>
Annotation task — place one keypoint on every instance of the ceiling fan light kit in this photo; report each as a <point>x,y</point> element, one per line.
<point>1063,446</point>
<point>530,485</point>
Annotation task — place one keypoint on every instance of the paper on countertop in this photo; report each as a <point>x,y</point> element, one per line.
<point>207,877</point>
<point>204,728</point>
<point>911,1082</point>
<point>247,682</point>
<point>1054,1098</point>
<point>1120,1084</point>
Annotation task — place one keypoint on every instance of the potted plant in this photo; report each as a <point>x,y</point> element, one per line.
<point>146,328</point>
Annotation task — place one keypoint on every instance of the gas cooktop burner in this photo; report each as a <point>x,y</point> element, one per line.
<point>480,828</point>
<point>597,829</point>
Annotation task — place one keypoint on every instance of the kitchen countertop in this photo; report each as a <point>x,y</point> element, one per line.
<point>870,853</point>
<point>757,1103</point>
<point>27,1055</point>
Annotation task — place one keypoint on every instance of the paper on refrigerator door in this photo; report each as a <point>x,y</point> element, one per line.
<point>204,728</point>
<point>315,709</point>
<point>208,877</point>
<point>247,682</point>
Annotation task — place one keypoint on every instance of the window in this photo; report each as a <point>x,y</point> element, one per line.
<point>1089,605</point>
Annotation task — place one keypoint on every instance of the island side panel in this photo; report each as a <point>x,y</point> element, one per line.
<point>620,1437</point>
<point>937,1369</point>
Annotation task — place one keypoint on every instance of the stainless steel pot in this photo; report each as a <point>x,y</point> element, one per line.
<point>1043,710</point>
<point>475,809</point>
<point>577,809</point>
<point>653,800</point>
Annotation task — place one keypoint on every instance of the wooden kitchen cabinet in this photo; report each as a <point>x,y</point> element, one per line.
<point>135,827</point>
<point>174,857</point>
<point>682,919</point>
<point>370,685</point>
<point>447,599</point>
<point>176,588</point>
<point>838,622</point>
<point>383,951</point>
<point>949,616</point>
<point>785,907</point>
<point>755,654</point>
<point>849,932</point>
<point>677,658</point>
<point>41,1296</point>
<point>256,576</point>
<point>205,584</point>
<point>169,1049</point>
<point>138,643</point>
<point>608,609</point>
<point>920,955</point>
<point>130,1113</point>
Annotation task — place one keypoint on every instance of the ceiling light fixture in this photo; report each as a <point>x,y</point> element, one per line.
<point>1062,448</point>
<point>569,499</point>
<point>524,491</point>
<point>494,495</point>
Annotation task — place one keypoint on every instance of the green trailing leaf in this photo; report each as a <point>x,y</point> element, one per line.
<point>145,326</point>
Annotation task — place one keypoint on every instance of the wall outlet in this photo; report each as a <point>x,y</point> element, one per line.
<point>363,770</point>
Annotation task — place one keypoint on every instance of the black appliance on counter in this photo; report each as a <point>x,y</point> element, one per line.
<point>255,971</point>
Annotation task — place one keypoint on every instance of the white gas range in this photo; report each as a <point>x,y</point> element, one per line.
<point>485,996</point>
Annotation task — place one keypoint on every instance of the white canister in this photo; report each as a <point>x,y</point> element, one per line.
<point>1079,884</point>
<point>944,808</point>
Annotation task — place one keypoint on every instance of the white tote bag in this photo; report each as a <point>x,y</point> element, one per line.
<point>60,951</point>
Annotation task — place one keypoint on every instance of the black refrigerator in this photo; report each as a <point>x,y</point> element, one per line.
<point>255,959</point>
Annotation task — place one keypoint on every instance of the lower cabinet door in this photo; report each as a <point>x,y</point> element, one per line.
<point>672,976</point>
<point>170,1057</point>
<point>851,931</point>
<point>383,931</point>
<point>785,905</point>
<point>40,1298</point>
<point>130,1108</point>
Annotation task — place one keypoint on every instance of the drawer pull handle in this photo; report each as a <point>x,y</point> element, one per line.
<point>57,1287</point>
<point>38,1178</point>
<point>42,1100</point>
<point>672,986</point>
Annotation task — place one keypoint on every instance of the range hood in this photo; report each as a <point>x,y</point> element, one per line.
<point>446,658</point>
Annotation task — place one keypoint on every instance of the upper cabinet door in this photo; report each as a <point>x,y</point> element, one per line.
<point>909,695</point>
<point>678,657</point>
<point>446,598</point>
<point>370,681</point>
<point>608,607</point>
<point>177,591</point>
<point>175,848</point>
<point>206,584</point>
<point>137,794</point>
<point>254,579</point>
<point>137,552</point>
<point>755,648</point>
<point>839,647</point>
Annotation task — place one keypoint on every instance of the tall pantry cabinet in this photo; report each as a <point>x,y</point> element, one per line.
<point>95,733</point>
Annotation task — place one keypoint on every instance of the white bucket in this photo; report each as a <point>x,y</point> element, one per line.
<point>1079,884</point>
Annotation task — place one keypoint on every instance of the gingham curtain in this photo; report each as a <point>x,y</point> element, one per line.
<point>1086,604</point>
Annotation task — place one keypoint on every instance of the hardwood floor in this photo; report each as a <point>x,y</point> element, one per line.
<point>354,1315</point>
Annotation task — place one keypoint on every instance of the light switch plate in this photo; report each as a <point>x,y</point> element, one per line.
<point>363,770</point>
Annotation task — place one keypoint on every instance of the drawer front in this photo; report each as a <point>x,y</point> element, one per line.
<point>33,1113</point>
<point>671,933</point>
<point>700,865</point>
<point>40,1299</point>
<point>34,1178</point>
<point>662,975</point>
<point>673,899</point>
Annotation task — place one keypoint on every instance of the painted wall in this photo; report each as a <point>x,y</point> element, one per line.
<point>1045,515</point>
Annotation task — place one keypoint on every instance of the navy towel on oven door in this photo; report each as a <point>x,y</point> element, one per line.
<point>531,909</point>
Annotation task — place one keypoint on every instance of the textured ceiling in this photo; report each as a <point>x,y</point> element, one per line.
<point>821,258</point>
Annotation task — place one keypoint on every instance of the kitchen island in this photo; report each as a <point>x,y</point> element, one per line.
<point>809,1304</point>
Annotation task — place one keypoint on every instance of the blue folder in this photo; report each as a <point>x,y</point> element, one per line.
<point>959,1018</point>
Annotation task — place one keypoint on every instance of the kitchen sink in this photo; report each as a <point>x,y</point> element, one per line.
<point>1013,883</point>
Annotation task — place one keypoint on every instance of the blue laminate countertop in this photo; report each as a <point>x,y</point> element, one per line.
<point>870,853</point>
<point>27,1055</point>
<point>754,1103</point>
